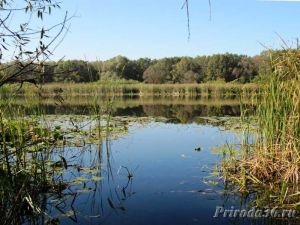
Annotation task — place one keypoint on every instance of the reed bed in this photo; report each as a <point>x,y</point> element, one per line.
<point>32,159</point>
<point>124,102</point>
<point>272,162</point>
<point>22,167</point>
<point>217,90</point>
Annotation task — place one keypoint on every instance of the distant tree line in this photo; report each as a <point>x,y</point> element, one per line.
<point>227,67</point>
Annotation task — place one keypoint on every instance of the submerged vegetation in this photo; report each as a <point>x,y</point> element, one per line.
<point>270,164</point>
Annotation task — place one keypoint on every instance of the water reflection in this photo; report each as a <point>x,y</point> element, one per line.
<point>155,173</point>
<point>152,175</point>
<point>92,189</point>
<point>184,110</point>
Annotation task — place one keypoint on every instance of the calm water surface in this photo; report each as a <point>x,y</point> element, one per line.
<point>156,173</point>
<point>171,184</point>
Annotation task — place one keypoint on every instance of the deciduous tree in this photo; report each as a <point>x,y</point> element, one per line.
<point>26,38</point>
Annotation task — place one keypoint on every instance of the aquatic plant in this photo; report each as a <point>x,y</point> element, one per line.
<point>272,162</point>
<point>32,157</point>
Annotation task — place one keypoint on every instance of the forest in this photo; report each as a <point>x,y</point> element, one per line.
<point>225,67</point>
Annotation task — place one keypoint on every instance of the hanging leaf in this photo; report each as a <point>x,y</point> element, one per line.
<point>42,33</point>
<point>3,46</point>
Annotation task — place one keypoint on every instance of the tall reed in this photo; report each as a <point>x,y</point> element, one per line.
<point>273,160</point>
<point>209,90</point>
<point>279,120</point>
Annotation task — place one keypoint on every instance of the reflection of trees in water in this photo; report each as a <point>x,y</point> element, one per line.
<point>158,110</point>
<point>128,106</point>
<point>188,113</point>
<point>137,111</point>
<point>185,109</point>
<point>184,113</point>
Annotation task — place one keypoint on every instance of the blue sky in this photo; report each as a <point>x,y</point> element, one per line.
<point>158,28</point>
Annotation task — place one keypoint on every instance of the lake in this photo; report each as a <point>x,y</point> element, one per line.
<point>160,168</point>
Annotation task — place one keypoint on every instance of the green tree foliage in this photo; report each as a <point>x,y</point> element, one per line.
<point>245,70</point>
<point>156,74</point>
<point>186,71</point>
<point>30,40</point>
<point>230,67</point>
<point>48,72</point>
<point>133,70</point>
<point>202,62</point>
<point>263,64</point>
<point>226,67</point>
<point>113,68</point>
<point>161,71</point>
<point>214,68</point>
<point>74,71</point>
<point>141,65</point>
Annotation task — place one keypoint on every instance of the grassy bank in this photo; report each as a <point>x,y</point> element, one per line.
<point>217,90</point>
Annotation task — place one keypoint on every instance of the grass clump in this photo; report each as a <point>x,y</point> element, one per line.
<point>272,162</point>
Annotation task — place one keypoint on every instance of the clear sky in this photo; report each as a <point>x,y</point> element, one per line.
<point>158,28</point>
